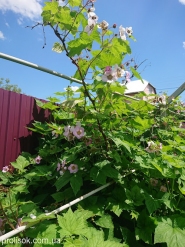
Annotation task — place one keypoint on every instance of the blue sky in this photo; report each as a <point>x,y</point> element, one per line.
<point>158,25</point>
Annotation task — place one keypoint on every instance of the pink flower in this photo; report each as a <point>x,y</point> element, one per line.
<point>122,33</point>
<point>73,168</point>
<point>61,168</point>
<point>38,159</point>
<point>153,147</point>
<point>119,71</point>
<point>129,31</point>
<point>108,69</point>
<point>92,21</point>
<point>109,76</point>
<point>58,167</point>
<point>5,169</point>
<point>68,132</point>
<point>103,25</point>
<point>78,131</point>
<point>127,76</point>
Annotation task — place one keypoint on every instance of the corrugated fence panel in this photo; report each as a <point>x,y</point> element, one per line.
<point>17,112</point>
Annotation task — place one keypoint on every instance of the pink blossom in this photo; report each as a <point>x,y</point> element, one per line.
<point>119,71</point>
<point>92,21</point>
<point>38,159</point>
<point>129,31</point>
<point>103,25</point>
<point>68,132</point>
<point>63,163</point>
<point>5,169</point>
<point>109,76</point>
<point>78,131</point>
<point>122,33</point>
<point>61,167</point>
<point>108,69</point>
<point>127,76</point>
<point>73,168</point>
<point>58,167</point>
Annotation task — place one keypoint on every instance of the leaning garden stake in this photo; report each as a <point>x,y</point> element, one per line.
<point>56,211</point>
<point>38,67</point>
<point>95,138</point>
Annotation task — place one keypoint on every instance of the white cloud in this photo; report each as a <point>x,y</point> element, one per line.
<point>20,21</point>
<point>2,35</point>
<point>7,24</point>
<point>30,9</point>
<point>182,1</point>
<point>73,88</point>
<point>183,45</point>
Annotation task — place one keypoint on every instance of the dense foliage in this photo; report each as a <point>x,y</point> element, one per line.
<point>5,84</point>
<point>95,136</point>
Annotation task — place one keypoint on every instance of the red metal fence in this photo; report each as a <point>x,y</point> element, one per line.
<point>17,112</point>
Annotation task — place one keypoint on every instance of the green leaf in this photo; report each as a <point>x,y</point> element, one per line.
<point>121,46</point>
<point>135,196</point>
<point>45,230</point>
<point>75,242</point>
<point>142,124</point>
<point>110,172</point>
<point>63,17</point>
<point>136,74</point>
<point>4,178</point>
<point>152,204</point>
<point>74,3</point>
<point>71,224</point>
<point>71,103</point>
<point>102,163</point>
<point>63,180</point>
<point>171,230</point>
<point>58,47</point>
<point>76,183</point>
<point>105,221</point>
<point>46,105</point>
<point>115,207</point>
<point>48,234</point>
<point>64,195</point>
<point>145,228</point>
<point>27,207</point>
<point>164,170</point>
<point>98,175</point>
<point>120,142</point>
<point>20,163</point>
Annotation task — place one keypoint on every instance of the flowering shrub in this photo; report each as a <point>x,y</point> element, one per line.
<point>98,136</point>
